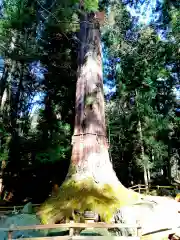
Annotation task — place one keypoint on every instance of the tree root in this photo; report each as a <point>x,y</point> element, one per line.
<point>86,195</point>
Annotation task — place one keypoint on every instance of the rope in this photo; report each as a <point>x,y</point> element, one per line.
<point>82,134</point>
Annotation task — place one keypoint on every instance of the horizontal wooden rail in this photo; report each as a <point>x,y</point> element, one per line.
<point>69,225</point>
<point>83,238</point>
<point>142,187</point>
<point>156,186</point>
<point>137,185</point>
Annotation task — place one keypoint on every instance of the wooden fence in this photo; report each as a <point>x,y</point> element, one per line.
<point>141,188</point>
<point>71,227</point>
<point>9,209</point>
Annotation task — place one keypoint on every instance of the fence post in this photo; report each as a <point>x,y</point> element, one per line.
<point>89,217</point>
<point>139,188</point>
<point>139,231</point>
<point>71,230</point>
<point>10,234</point>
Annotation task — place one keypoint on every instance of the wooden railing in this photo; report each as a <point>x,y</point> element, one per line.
<point>141,188</point>
<point>71,227</point>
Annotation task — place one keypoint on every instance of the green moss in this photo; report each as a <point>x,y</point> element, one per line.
<point>85,195</point>
<point>90,100</point>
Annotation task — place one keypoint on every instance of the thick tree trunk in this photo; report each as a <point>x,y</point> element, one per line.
<point>90,157</point>
<point>91,183</point>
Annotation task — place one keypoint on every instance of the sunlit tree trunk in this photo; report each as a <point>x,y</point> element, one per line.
<point>3,165</point>
<point>3,83</point>
<point>142,154</point>
<point>90,170</point>
<point>90,155</point>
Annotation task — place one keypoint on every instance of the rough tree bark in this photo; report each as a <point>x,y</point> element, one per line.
<point>90,157</point>
<point>91,182</point>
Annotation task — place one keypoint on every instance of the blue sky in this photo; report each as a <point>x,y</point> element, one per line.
<point>145,10</point>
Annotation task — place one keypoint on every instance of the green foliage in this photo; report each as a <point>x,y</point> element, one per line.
<point>4,141</point>
<point>144,93</point>
<point>144,77</point>
<point>25,144</point>
<point>57,147</point>
<point>91,5</point>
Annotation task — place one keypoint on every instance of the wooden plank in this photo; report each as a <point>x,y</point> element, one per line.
<point>69,225</point>
<point>48,238</point>
<point>135,186</point>
<point>104,238</point>
<point>83,238</point>
<point>157,186</point>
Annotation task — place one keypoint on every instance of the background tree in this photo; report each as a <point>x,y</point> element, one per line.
<point>39,44</point>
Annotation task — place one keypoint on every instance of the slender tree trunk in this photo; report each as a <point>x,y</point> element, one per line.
<point>141,145</point>
<point>8,70</point>
<point>149,175</point>
<point>3,82</point>
<point>142,154</point>
<point>3,165</point>
<point>169,158</point>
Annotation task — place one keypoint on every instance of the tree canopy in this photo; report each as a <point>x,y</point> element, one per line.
<point>39,45</point>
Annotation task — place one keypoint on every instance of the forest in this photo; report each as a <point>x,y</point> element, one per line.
<point>89,101</point>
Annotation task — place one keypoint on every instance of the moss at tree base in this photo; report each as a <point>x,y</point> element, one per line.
<point>86,195</point>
